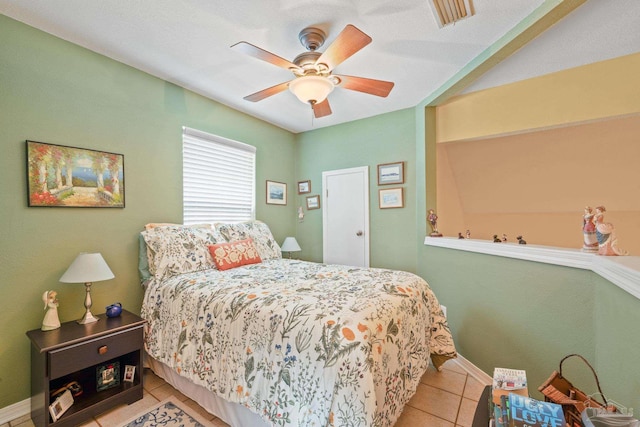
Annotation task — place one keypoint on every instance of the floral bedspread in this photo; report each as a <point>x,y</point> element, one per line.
<point>300,344</point>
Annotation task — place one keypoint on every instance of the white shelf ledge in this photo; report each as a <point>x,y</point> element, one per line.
<point>624,271</point>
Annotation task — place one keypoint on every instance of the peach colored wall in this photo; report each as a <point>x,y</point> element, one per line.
<point>537,183</point>
<point>526,157</point>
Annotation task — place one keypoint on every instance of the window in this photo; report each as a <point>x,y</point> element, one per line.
<point>218,177</point>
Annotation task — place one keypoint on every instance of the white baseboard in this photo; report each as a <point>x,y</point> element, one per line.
<point>474,371</point>
<point>17,410</point>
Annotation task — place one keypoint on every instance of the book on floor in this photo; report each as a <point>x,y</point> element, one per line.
<point>507,381</point>
<point>529,412</point>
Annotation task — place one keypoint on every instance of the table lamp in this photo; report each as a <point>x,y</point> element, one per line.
<point>290,244</point>
<point>87,268</point>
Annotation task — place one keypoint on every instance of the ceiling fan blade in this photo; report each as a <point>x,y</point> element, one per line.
<point>321,109</point>
<point>348,42</point>
<point>370,86</point>
<point>262,54</point>
<point>265,93</point>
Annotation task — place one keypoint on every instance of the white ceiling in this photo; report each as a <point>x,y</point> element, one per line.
<point>188,43</point>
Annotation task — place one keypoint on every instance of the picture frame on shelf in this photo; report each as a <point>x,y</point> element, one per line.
<point>313,202</point>
<point>129,373</point>
<point>389,198</point>
<point>107,375</point>
<point>73,177</point>
<point>276,193</point>
<point>391,173</point>
<point>304,187</point>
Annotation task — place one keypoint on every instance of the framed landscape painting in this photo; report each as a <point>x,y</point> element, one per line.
<point>391,198</point>
<point>391,173</point>
<point>276,193</point>
<point>62,176</point>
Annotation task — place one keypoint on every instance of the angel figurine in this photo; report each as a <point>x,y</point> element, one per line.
<point>50,321</point>
<point>606,235</point>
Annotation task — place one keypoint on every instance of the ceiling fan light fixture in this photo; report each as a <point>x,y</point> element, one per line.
<point>311,89</point>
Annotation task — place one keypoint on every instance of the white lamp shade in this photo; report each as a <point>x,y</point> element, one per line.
<point>311,89</point>
<point>290,244</point>
<point>87,268</point>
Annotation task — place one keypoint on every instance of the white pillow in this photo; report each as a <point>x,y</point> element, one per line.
<point>178,249</point>
<point>258,231</point>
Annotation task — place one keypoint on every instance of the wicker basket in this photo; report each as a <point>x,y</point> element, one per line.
<point>559,390</point>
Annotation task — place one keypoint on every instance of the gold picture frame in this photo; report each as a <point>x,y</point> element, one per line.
<point>276,193</point>
<point>391,173</point>
<point>390,198</point>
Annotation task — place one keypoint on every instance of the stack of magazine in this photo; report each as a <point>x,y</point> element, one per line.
<point>511,406</point>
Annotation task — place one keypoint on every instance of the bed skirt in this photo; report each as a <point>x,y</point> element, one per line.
<point>231,413</point>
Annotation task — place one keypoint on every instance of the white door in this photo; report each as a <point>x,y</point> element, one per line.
<point>345,216</point>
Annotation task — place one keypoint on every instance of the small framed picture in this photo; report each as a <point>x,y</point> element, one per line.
<point>313,202</point>
<point>304,187</point>
<point>276,193</point>
<point>129,373</point>
<point>107,376</point>
<point>391,198</point>
<point>391,173</point>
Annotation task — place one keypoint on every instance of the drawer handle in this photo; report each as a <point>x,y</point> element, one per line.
<point>103,349</point>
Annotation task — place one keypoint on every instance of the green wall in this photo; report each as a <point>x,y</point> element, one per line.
<point>56,92</point>
<point>520,314</point>
<point>368,142</point>
<point>503,312</point>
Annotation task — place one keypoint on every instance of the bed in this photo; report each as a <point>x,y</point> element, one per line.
<point>284,342</point>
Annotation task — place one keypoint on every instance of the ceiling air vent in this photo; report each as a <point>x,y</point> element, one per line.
<point>449,11</point>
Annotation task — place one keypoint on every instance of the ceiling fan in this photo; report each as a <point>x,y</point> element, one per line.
<point>314,79</point>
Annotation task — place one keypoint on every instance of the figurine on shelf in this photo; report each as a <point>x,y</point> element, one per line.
<point>496,239</point>
<point>460,236</point>
<point>50,321</point>
<point>504,237</point>
<point>468,234</point>
<point>521,241</point>
<point>590,243</point>
<point>433,222</point>
<point>606,235</point>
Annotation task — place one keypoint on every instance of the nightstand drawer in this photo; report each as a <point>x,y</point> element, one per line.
<point>74,358</point>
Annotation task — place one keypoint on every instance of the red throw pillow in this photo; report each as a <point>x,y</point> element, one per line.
<point>234,254</point>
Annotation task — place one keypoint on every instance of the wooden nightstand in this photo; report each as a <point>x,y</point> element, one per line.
<point>80,353</point>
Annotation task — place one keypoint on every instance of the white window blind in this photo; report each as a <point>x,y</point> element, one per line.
<point>218,176</point>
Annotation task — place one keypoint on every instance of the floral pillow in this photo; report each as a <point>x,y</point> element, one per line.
<point>176,250</point>
<point>236,254</point>
<point>258,231</point>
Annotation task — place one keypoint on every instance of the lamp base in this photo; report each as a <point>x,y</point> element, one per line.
<point>87,318</point>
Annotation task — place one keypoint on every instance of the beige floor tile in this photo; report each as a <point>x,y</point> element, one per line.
<point>18,421</point>
<point>473,388</point>
<point>452,365</point>
<point>217,422</point>
<point>151,380</point>
<point>448,380</point>
<point>167,390</point>
<point>412,417</point>
<point>123,413</point>
<point>27,423</point>
<point>5,425</point>
<point>199,409</point>
<point>90,423</point>
<point>435,401</point>
<point>466,412</point>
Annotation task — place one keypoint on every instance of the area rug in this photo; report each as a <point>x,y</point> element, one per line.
<point>168,413</point>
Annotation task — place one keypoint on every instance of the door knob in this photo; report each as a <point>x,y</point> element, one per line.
<point>359,233</point>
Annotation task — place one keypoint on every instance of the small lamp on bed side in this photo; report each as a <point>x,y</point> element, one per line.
<point>87,268</point>
<point>290,244</point>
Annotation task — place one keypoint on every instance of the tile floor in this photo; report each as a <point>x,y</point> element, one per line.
<point>443,399</point>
